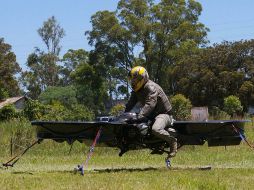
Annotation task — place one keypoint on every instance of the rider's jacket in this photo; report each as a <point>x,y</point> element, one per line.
<point>153,100</point>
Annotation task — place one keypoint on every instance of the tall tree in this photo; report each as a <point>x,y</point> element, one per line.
<point>162,33</point>
<point>105,59</point>
<point>90,87</point>
<point>109,36</point>
<point>43,68</point>
<point>51,33</point>
<point>8,69</point>
<point>43,72</point>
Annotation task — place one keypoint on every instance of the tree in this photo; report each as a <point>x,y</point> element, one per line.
<point>43,69</point>
<point>105,59</point>
<point>8,69</point>
<point>90,85</point>
<point>43,72</point>
<point>246,94</point>
<point>34,110</point>
<point>162,33</point>
<point>51,34</point>
<point>113,49</point>
<point>65,95</point>
<point>216,72</point>
<point>72,59</point>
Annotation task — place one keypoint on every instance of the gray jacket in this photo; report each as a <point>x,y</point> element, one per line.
<point>153,100</point>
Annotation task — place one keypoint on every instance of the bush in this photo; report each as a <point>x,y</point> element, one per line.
<point>232,105</point>
<point>181,107</point>
<point>9,112</point>
<point>117,110</point>
<point>58,112</point>
<point>80,112</point>
<point>33,110</point>
<point>3,94</point>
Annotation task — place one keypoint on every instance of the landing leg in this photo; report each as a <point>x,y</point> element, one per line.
<point>80,168</point>
<point>168,163</point>
<point>14,160</point>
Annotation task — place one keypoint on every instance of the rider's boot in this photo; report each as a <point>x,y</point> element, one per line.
<point>173,148</point>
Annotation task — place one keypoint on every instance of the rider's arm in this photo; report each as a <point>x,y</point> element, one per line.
<point>131,103</point>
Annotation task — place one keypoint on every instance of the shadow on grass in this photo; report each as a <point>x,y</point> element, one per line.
<point>28,173</point>
<point>115,170</point>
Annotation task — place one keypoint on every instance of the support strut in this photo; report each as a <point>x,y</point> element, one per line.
<point>80,168</point>
<point>15,159</point>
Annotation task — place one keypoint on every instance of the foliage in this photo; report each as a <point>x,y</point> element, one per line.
<point>8,112</point>
<point>91,89</point>
<point>117,110</point>
<point>79,112</point>
<point>232,105</point>
<point>8,69</point>
<point>65,95</point>
<point>246,94</point>
<point>54,112</point>
<point>217,114</point>
<point>164,33</point>
<point>181,107</point>
<point>44,72</point>
<point>33,110</point>
<point>3,94</point>
<point>43,69</point>
<point>164,36</point>
<point>57,112</point>
<point>16,131</point>
<point>71,60</point>
<point>51,33</point>
<point>216,72</point>
<point>106,61</point>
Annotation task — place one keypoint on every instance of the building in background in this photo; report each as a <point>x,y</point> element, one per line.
<point>18,102</point>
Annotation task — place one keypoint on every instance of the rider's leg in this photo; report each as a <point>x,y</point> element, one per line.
<point>158,129</point>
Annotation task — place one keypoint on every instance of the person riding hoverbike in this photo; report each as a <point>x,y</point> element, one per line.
<point>155,105</point>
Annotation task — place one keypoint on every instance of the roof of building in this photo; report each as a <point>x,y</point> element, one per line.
<point>10,101</point>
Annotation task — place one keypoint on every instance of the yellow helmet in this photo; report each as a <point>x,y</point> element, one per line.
<point>138,76</point>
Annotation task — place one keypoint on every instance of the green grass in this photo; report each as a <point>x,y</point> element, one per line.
<point>49,166</point>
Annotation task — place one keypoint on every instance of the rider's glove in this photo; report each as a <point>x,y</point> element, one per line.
<point>132,120</point>
<point>137,119</point>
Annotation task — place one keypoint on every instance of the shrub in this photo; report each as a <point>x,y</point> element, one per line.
<point>117,109</point>
<point>33,110</point>
<point>58,112</point>
<point>3,94</point>
<point>181,107</point>
<point>8,112</point>
<point>80,112</point>
<point>232,105</point>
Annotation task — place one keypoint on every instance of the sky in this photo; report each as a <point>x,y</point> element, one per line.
<point>229,20</point>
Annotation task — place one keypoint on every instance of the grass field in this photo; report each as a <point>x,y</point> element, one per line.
<point>50,166</point>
